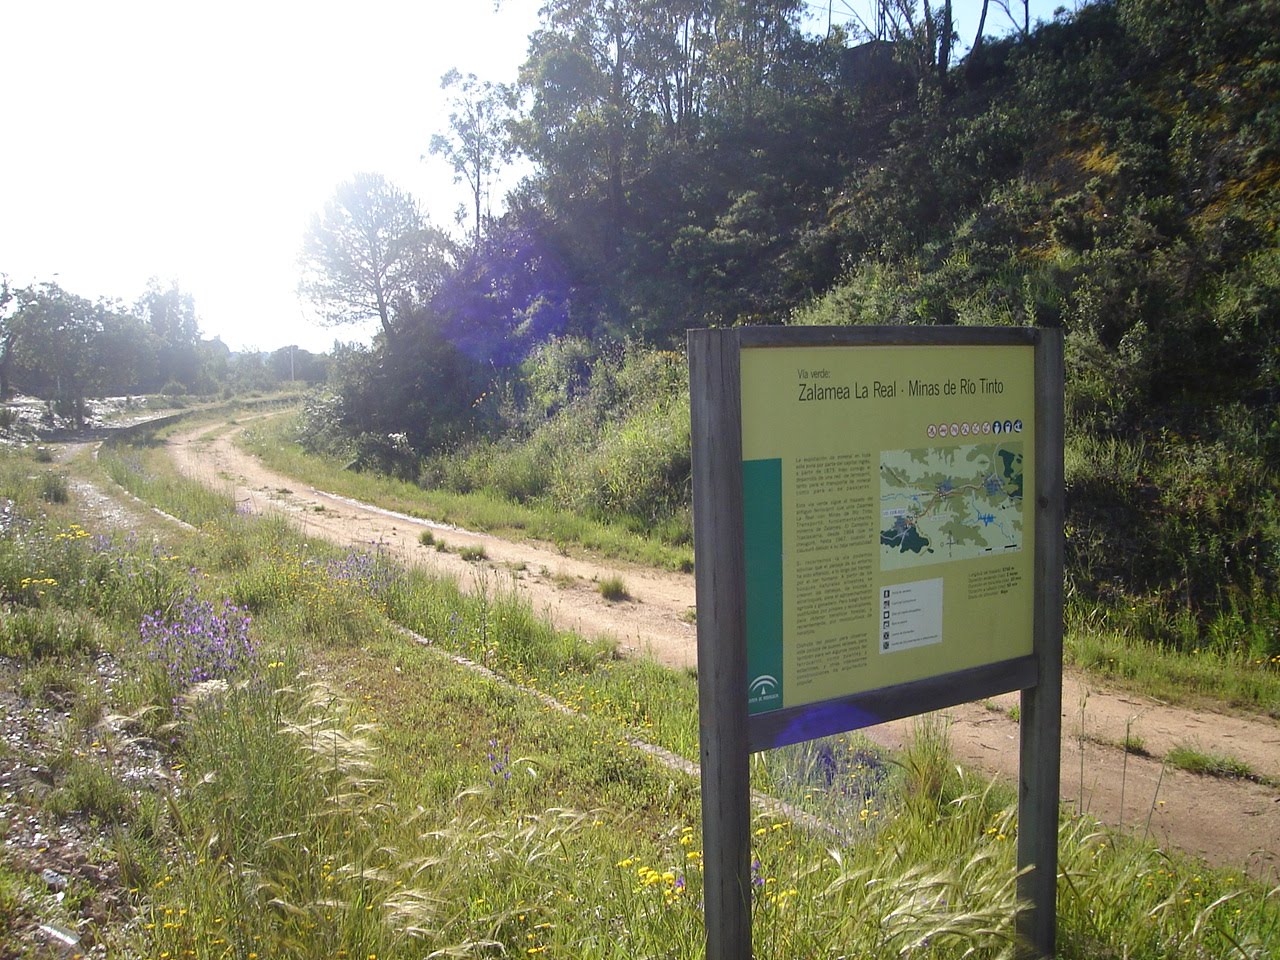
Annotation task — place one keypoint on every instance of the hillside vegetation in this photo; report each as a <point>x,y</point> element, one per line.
<point>1113,173</point>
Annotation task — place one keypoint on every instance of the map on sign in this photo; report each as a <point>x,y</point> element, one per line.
<point>949,503</point>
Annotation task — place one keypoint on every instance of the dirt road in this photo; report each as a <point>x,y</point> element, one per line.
<point>1233,823</point>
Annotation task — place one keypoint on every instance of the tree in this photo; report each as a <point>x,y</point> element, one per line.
<point>8,333</point>
<point>1023,26</point>
<point>752,42</point>
<point>674,52</point>
<point>477,142</point>
<point>982,25</point>
<point>170,317</point>
<point>122,353</point>
<point>55,334</point>
<point>371,253</point>
<point>924,34</point>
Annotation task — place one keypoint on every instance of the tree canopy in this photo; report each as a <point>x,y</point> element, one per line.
<point>476,143</point>
<point>372,254</point>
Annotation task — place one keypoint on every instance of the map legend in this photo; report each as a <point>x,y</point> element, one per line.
<point>910,615</point>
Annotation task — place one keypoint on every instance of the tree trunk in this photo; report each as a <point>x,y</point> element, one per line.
<point>982,24</point>
<point>944,42</point>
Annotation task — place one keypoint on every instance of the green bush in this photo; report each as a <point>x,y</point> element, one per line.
<point>609,440</point>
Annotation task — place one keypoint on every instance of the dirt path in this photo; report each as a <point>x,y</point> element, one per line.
<point>1234,823</point>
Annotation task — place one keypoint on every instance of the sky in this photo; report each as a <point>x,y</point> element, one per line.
<point>194,141</point>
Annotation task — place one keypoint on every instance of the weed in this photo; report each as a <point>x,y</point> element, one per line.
<point>36,633</point>
<point>371,572</point>
<point>614,589</point>
<point>53,488</point>
<point>85,786</point>
<point>427,538</point>
<point>1186,756</point>
<point>1135,744</point>
<point>473,554</point>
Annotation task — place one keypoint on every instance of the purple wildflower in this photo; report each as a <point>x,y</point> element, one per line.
<point>198,641</point>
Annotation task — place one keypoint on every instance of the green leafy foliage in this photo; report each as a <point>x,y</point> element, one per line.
<point>604,435</point>
<point>1089,178</point>
<point>1113,173</point>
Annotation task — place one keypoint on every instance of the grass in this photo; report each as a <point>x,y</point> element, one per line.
<point>13,898</point>
<point>1202,676</point>
<point>1135,744</point>
<point>1189,757</point>
<point>53,487</point>
<point>1098,640</point>
<point>272,440</point>
<point>614,589</point>
<point>142,470</point>
<point>85,786</point>
<point>347,792</point>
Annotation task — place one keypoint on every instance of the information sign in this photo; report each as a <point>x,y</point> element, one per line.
<point>887,527</point>
<point>878,532</point>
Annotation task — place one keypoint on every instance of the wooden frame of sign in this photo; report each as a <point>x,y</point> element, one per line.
<point>805,437</point>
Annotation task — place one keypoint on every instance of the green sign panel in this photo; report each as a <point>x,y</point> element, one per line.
<point>888,516</point>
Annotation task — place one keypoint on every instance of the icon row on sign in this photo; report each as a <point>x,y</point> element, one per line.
<point>973,429</point>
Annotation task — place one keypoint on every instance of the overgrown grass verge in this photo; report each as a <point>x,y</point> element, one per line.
<point>1201,676</point>
<point>274,441</point>
<point>143,470</point>
<point>335,790</point>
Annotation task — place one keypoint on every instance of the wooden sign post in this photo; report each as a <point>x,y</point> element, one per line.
<point>878,532</point>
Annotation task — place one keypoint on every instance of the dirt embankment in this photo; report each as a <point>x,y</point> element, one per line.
<point>1233,823</point>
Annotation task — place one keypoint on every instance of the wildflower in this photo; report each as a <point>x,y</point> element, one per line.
<point>198,642</point>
